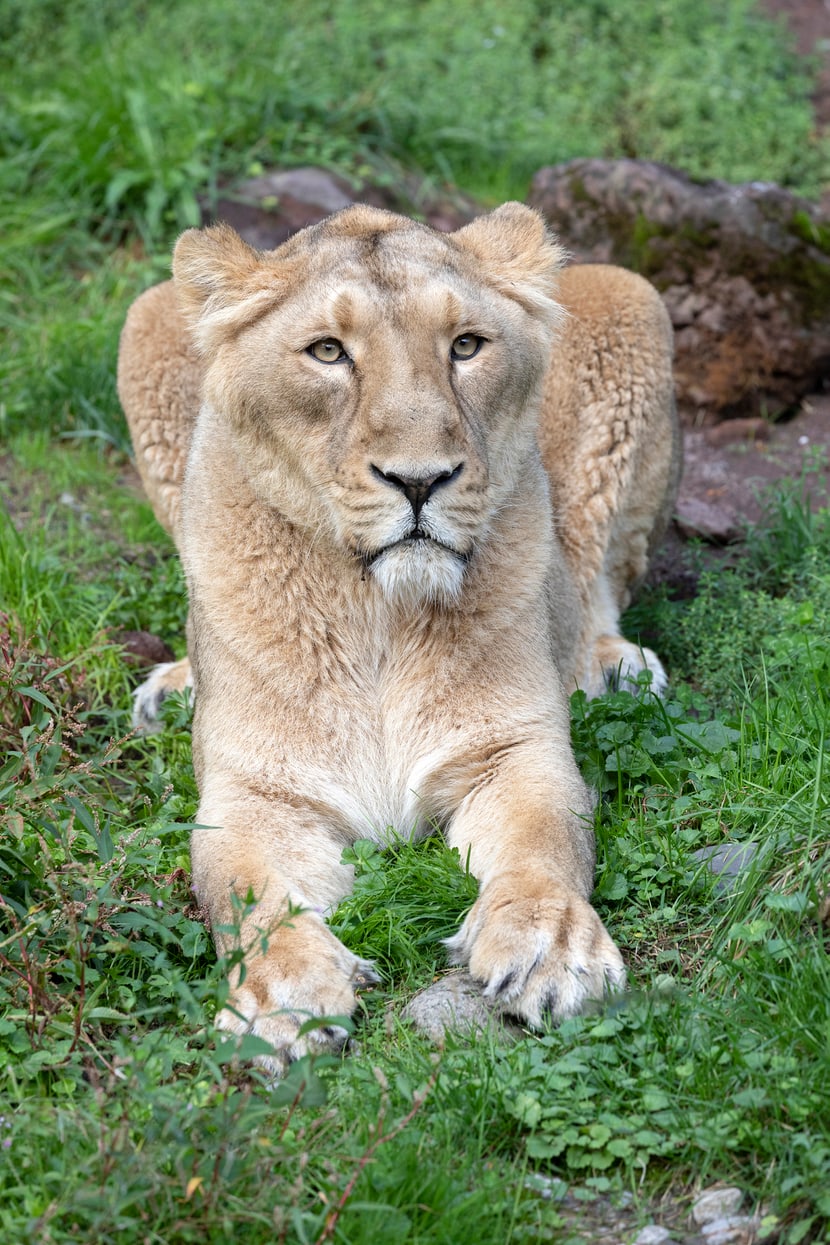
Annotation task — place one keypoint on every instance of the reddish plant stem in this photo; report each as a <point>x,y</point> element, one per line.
<point>365,1159</point>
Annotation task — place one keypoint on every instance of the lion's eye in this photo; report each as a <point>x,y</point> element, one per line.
<point>327,350</point>
<point>466,346</point>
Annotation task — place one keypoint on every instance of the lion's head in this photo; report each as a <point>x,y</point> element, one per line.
<point>381,380</point>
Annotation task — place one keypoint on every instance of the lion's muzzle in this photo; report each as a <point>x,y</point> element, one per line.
<point>418,487</point>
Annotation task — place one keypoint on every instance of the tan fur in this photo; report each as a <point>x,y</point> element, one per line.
<point>348,679</point>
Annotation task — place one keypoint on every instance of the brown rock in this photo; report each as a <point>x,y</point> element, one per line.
<point>744,271</point>
<point>716,522</point>
<point>142,648</point>
<point>733,430</point>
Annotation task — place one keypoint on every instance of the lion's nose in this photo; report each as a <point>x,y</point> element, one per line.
<point>417,488</point>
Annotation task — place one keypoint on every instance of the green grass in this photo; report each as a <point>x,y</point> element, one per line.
<point>123,1115</point>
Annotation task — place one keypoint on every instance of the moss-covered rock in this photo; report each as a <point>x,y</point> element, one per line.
<point>744,270</point>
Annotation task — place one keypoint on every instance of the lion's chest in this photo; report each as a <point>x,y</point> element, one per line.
<point>315,689</point>
<point>369,749</point>
<point>374,792</point>
<point>350,722</point>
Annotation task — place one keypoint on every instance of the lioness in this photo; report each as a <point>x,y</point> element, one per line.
<point>390,595</point>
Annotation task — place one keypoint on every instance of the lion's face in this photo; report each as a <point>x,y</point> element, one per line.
<point>382,381</point>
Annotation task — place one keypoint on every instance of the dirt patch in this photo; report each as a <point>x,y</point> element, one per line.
<point>739,471</point>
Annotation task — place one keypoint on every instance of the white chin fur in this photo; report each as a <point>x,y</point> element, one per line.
<point>419,574</point>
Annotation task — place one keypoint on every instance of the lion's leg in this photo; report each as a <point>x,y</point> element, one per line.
<point>608,660</point>
<point>266,873</point>
<point>148,697</point>
<point>532,937</point>
<point>637,517</point>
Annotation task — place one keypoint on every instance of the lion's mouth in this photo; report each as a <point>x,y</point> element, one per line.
<point>416,537</point>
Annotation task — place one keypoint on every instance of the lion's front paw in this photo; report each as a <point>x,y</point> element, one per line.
<point>618,664</point>
<point>170,676</point>
<point>539,949</point>
<point>304,974</point>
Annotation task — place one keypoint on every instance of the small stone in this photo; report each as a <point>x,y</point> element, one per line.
<point>652,1234</point>
<point>730,1230</point>
<point>687,309</point>
<point>713,319</point>
<point>716,1202</point>
<point>548,1188</point>
<point>455,1004</point>
<point>706,520</point>
<point>727,862</point>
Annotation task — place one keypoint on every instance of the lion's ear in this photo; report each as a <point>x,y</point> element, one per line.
<point>520,254</point>
<point>222,284</point>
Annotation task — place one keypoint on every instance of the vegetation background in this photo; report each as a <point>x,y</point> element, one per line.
<point>123,1115</point>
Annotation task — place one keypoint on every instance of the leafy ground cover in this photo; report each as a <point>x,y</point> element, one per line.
<point>123,1115</point>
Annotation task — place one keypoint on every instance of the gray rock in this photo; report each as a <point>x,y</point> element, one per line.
<point>727,862</point>
<point>268,209</point>
<point>455,1004</point>
<point>716,1202</point>
<point>548,1188</point>
<point>652,1234</point>
<point>744,271</point>
<point>730,1230</point>
<point>318,187</point>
